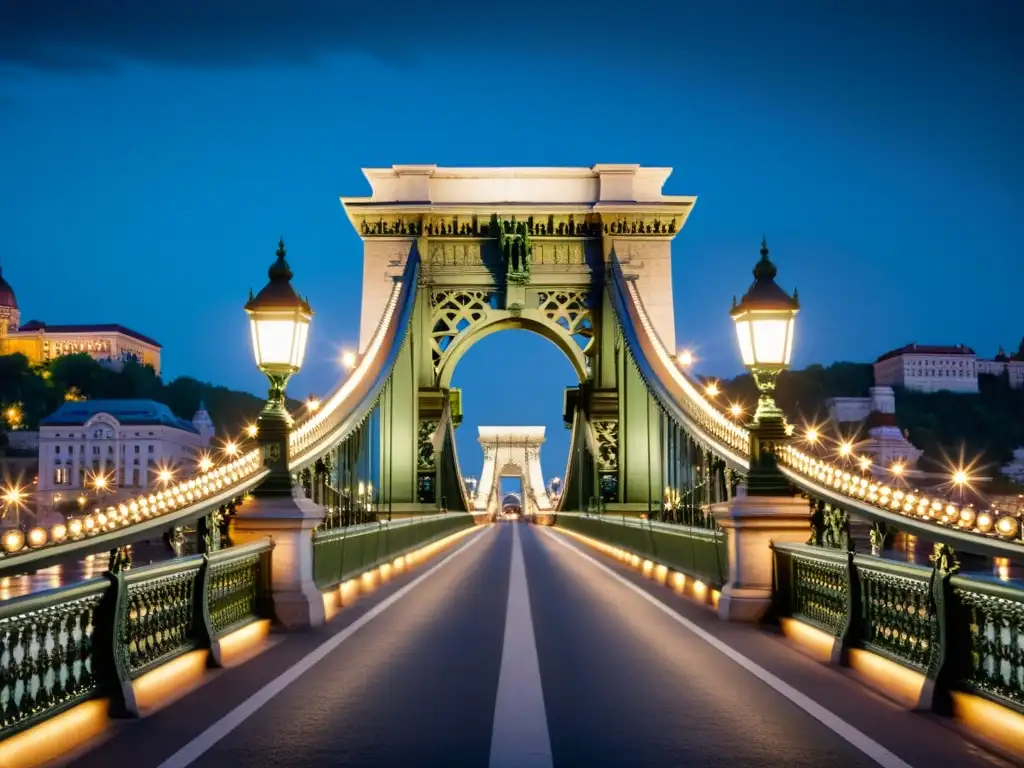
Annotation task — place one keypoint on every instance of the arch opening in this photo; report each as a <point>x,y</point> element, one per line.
<point>513,379</point>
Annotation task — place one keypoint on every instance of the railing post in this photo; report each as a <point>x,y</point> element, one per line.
<point>950,642</point>
<point>851,631</point>
<point>202,621</point>
<point>109,652</point>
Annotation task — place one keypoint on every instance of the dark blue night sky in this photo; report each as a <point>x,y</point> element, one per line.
<point>154,152</point>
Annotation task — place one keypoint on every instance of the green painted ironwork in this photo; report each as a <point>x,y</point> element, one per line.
<point>962,632</point>
<point>64,646</point>
<point>695,551</point>
<point>340,554</point>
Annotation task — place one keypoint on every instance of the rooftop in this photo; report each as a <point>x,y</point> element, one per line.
<point>38,325</point>
<point>7,297</point>
<point>926,349</point>
<point>127,412</point>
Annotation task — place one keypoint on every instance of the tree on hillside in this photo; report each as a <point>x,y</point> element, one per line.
<point>41,390</point>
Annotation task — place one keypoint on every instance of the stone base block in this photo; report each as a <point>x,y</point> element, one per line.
<point>739,604</point>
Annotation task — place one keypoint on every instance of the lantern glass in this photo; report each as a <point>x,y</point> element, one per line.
<point>765,338</point>
<point>279,339</point>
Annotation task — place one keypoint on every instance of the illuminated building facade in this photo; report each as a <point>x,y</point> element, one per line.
<point>41,343</point>
<point>127,443</point>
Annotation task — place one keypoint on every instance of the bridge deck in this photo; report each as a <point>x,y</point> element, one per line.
<point>594,674</point>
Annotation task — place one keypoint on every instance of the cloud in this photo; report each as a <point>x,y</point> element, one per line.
<point>90,35</point>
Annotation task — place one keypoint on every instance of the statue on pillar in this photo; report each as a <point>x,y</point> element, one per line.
<point>516,249</point>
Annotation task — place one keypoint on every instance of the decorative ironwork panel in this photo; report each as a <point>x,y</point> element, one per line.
<point>425,460</point>
<point>452,313</point>
<point>46,659</point>
<point>899,616</point>
<point>160,620</point>
<point>571,311</point>
<point>997,645</point>
<point>233,593</point>
<point>607,434</point>
<point>820,593</point>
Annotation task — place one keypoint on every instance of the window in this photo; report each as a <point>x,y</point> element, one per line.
<point>60,476</point>
<point>56,449</point>
<point>149,449</point>
<point>135,476</point>
<point>95,450</point>
<point>136,449</point>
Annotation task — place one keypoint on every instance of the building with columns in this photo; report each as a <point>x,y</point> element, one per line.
<point>927,368</point>
<point>41,343</point>
<point>126,443</point>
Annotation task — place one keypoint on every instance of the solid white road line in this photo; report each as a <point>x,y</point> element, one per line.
<point>208,738</point>
<point>520,737</point>
<point>834,723</point>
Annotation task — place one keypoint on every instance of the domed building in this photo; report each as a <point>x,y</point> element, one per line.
<point>10,317</point>
<point>41,343</point>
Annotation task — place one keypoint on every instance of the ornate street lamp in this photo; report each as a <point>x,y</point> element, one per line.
<point>280,319</point>
<point>764,321</point>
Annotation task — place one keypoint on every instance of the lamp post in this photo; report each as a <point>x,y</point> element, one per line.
<point>764,320</point>
<point>279,320</point>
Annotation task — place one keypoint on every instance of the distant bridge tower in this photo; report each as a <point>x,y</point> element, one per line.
<point>511,452</point>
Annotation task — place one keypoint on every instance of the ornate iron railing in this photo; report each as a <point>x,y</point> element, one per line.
<point>61,647</point>
<point>962,632</point>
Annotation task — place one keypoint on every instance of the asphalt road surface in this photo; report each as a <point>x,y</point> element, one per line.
<point>522,649</point>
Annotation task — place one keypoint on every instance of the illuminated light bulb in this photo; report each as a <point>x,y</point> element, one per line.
<point>960,477</point>
<point>845,449</point>
<point>13,540</point>
<point>789,430</point>
<point>59,532</point>
<point>100,482</point>
<point>685,357</point>
<point>205,464</point>
<point>984,522</point>
<point>251,430</point>
<point>75,527</point>
<point>811,435</point>
<point>313,404</point>
<point>230,448</point>
<point>711,390</point>
<point>1007,526</point>
<point>736,409</point>
<point>897,468</point>
<point>865,463</point>
<point>36,537</point>
<point>349,360</point>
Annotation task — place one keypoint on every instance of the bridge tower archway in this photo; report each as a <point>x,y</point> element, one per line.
<point>527,248</point>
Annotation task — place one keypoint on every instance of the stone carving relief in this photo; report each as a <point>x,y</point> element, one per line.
<point>455,255</point>
<point>425,454</point>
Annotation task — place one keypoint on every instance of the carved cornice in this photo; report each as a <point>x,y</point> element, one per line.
<point>665,222</point>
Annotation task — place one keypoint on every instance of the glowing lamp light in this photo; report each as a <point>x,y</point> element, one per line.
<point>712,390</point>
<point>1006,526</point>
<point>59,532</point>
<point>279,321</point>
<point>685,357</point>
<point>960,477</point>
<point>897,469</point>
<point>205,464</point>
<point>165,476</point>
<point>100,482</point>
<point>845,449</point>
<point>251,430</point>
<point>13,495</point>
<point>230,448</point>
<point>764,319</point>
<point>349,359</point>
<point>736,410</point>
<point>312,404</point>
<point>36,537</point>
<point>13,540</point>
<point>811,435</point>
<point>865,463</point>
